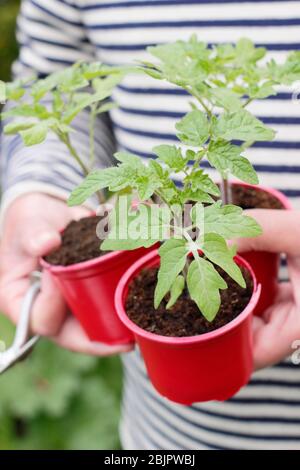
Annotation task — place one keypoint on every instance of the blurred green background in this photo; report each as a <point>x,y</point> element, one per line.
<point>54,399</point>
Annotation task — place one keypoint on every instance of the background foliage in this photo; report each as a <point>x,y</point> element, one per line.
<point>54,399</point>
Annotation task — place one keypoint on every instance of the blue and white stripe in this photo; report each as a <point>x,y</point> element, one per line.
<point>55,33</point>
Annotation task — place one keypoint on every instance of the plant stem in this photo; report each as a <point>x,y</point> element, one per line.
<point>226,193</point>
<point>248,101</point>
<point>66,140</point>
<point>93,115</point>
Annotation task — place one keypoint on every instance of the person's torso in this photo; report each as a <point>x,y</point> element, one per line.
<point>265,414</point>
<point>149,108</point>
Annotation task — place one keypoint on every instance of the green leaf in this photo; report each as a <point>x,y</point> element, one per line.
<point>81,101</point>
<point>107,84</point>
<point>104,108</point>
<point>204,284</point>
<point>131,159</point>
<point>230,222</point>
<point>193,128</point>
<point>92,70</point>
<point>225,98</point>
<point>130,229</point>
<point>41,87</point>
<point>183,62</point>
<point>226,157</point>
<point>173,255</point>
<point>188,194</point>
<point>261,91</point>
<point>247,53</point>
<point>17,126</point>
<point>176,290</point>
<point>241,125</point>
<point>36,134</point>
<point>172,156</point>
<point>200,181</point>
<point>16,89</point>
<point>72,79</point>
<point>286,73</point>
<point>27,110</point>
<point>95,181</point>
<point>146,185</point>
<point>216,250</point>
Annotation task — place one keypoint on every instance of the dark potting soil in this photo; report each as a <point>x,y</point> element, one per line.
<point>251,198</point>
<point>79,243</point>
<point>184,318</point>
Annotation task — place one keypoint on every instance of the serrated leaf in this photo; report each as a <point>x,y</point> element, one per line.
<point>247,53</point>
<point>95,181</point>
<point>226,157</point>
<point>146,185</point>
<point>176,290</point>
<point>261,91</point>
<point>216,250</point>
<point>173,255</point>
<point>35,134</point>
<point>198,180</point>
<point>204,284</point>
<point>72,79</point>
<point>83,100</point>
<point>183,62</point>
<point>107,84</point>
<point>27,110</point>
<point>241,125</point>
<point>171,156</point>
<point>188,194</point>
<point>130,229</point>
<point>226,98</point>
<point>130,158</point>
<point>193,128</point>
<point>17,126</point>
<point>230,222</point>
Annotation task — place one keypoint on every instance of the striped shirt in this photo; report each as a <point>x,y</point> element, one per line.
<point>55,33</point>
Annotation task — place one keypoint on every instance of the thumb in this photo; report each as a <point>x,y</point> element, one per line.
<point>39,236</point>
<point>281,232</point>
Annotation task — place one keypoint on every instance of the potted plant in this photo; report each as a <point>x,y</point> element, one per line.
<point>189,304</point>
<point>86,277</point>
<point>224,80</point>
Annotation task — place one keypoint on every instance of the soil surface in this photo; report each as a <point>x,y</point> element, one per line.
<point>251,198</point>
<point>79,243</point>
<point>184,318</point>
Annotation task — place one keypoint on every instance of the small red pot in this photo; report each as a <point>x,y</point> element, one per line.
<point>212,366</point>
<point>89,289</point>
<point>265,264</point>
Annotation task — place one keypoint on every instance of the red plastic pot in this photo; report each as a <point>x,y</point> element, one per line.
<point>89,289</point>
<point>212,366</point>
<point>264,264</point>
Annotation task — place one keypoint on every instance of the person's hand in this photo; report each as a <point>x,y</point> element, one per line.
<point>275,332</point>
<point>31,229</point>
